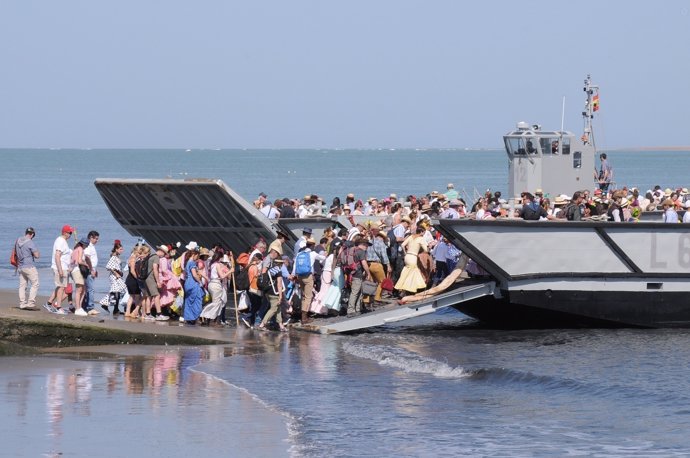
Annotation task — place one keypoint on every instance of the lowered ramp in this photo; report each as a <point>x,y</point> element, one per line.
<point>168,211</point>
<point>397,313</point>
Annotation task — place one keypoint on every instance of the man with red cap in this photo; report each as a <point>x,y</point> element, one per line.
<point>60,262</point>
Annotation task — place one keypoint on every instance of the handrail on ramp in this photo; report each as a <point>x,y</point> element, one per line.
<point>413,310</point>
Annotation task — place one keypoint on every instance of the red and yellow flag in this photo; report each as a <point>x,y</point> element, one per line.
<point>595,103</point>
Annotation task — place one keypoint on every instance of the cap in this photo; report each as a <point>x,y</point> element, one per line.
<point>68,228</point>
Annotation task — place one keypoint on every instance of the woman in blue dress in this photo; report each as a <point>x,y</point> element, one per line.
<point>193,292</point>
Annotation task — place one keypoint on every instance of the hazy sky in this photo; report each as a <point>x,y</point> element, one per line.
<point>375,73</point>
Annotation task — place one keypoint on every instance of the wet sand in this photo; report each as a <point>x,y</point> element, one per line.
<point>62,398</point>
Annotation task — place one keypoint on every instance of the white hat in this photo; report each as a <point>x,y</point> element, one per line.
<point>192,246</point>
<point>163,248</point>
<point>225,260</point>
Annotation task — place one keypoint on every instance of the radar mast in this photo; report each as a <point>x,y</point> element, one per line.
<point>591,105</point>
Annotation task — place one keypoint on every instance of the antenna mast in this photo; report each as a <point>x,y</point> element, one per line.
<point>591,105</point>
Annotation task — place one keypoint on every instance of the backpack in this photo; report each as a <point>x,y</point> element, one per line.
<point>141,267</point>
<point>242,279</point>
<point>349,265</point>
<point>265,283</point>
<point>393,245</point>
<point>303,264</point>
<point>13,256</point>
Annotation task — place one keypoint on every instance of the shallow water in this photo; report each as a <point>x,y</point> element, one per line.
<point>133,405</point>
<point>441,388</point>
<point>464,391</point>
<point>444,388</point>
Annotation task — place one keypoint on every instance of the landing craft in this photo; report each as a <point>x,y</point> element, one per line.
<point>536,274</point>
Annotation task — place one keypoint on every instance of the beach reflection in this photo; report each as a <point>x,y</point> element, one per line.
<point>92,393</point>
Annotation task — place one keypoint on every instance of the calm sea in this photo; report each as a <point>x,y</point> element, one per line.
<point>444,387</point>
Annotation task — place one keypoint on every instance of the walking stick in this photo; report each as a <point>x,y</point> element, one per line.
<point>234,291</point>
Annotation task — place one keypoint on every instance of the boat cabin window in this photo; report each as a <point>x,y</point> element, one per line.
<point>577,160</point>
<point>521,146</point>
<point>550,145</point>
<point>565,145</point>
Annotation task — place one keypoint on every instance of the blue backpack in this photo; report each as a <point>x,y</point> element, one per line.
<point>303,264</point>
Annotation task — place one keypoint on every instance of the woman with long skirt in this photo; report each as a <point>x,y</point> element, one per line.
<point>193,292</point>
<point>318,305</point>
<point>217,286</point>
<point>411,279</point>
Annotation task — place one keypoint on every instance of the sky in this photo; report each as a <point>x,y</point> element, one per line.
<point>349,74</point>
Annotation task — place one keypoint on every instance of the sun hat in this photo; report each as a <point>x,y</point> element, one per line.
<point>277,247</point>
<point>84,241</point>
<point>204,252</point>
<point>163,248</point>
<point>406,219</point>
<point>307,230</point>
<point>192,246</point>
<point>311,241</point>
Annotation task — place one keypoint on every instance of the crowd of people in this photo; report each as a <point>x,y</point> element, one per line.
<point>393,253</point>
<point>604,203</point>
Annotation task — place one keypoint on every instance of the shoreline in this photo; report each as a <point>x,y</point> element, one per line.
<point>111,366</point>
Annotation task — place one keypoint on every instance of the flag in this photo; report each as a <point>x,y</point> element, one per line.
<point>595,103</point>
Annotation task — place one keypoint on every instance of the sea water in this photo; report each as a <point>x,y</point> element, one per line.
<point>439,386</point>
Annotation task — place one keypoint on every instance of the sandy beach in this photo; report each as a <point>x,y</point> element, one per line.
<point>76,386</point>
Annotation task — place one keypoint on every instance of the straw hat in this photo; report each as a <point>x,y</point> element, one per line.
<point>277,247</point>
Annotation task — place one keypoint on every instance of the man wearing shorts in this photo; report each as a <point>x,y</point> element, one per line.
<point>150,287</point>
<point>60,262</point>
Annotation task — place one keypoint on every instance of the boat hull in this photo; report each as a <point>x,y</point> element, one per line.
<point>576,308</point>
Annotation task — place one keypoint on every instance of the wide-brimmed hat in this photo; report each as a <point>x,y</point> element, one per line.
<point>307,230</point>
<point>84,241</point>
<point>277,246</point>
<point>204,252</point>
<point>455,203</point>
<point>163,248</point>
<point>406,219</point>
<point>226,259</point>
<point>192,246</point>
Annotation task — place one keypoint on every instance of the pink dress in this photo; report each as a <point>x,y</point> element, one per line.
<point>171,285</point>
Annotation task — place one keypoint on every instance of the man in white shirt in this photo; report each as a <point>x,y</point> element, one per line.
<point>60,264</point>
<point>91,258</point>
